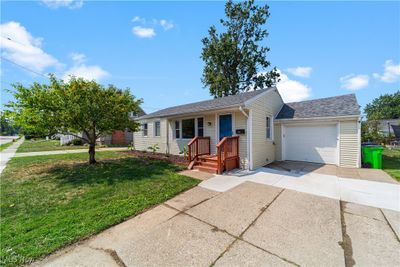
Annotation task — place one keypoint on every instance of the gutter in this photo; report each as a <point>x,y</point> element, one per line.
<point>317,118</point>
<point>243,112</point>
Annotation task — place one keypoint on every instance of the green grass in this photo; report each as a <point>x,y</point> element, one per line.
<point>48,202</point>
<point>6,145</point>
<point>44,145</point>
<point>391,162</point>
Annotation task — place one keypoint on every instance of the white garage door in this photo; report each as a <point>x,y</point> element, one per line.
<point>311,143</point>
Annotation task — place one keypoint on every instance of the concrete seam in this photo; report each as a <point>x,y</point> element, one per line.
<point>363,216</point>
<point>113,254</point>
<point>390,226</point>
<point>263,209</point>
<point>234,236</point>
<point>223,252</point>
<point>346,240</point>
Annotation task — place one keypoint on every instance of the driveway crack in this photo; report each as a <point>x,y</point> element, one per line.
<point>390,226</point>
<point>114,255</point>
<point>346,240</point>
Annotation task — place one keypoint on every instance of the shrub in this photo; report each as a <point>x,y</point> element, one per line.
<point>154,148</point>
<point>77,142</point>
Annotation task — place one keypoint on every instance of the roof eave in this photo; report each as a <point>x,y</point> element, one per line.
<point>319,118</point>
<point>191,113</point>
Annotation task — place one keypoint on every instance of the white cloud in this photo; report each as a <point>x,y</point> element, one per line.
<point>143,32</point>
<point>391,72</point>
<point>301,71</point>
<point>291,90</point>
<point>354,82</point>
<point>167,25</point>
<point>78,58</point>
<point>71,4</point>
<point>138,19</point>
<point>18,45</point>
<point>80,69</point>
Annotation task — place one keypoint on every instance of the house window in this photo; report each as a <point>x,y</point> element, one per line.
<point>200,127</point>
<point>157,128</point>
<point>144,129</point>
<point>269,127</point>
<point>188,128</point>
<point>177,130</point>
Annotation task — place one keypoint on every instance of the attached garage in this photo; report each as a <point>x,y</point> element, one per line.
<point>324,130</point>
<point>312,143</point>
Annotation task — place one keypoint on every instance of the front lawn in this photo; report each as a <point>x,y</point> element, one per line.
<point>6,145</point>
<point>44,145</point>
<point>391,162</point>
<point>48,202</point>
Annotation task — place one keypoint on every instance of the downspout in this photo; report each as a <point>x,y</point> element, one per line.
<point>167,122</point>
<point>243,112</point>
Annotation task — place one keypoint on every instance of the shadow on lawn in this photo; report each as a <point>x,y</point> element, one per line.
<point>111,171</point>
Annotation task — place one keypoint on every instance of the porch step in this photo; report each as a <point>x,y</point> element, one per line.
<point>210,158</point>
<point>206,169</point>
<point>210,164</point>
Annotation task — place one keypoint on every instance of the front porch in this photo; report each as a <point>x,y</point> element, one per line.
<point>226,158</point>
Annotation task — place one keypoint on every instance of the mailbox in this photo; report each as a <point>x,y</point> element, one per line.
<point>240,131</point>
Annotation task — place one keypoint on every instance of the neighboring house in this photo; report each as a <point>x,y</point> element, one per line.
<point>117,137</point>
<point>385,126</point>
<point>324,130</point>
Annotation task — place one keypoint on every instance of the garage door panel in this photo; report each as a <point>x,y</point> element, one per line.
<point>311,143</point>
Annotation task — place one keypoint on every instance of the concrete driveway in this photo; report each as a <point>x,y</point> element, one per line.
<point>251,224</point>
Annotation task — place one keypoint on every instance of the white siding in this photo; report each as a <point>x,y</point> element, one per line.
<point>278,141</point>
<point>241,123</point>
<point>143,142</point>
<point>174,145</point>
<point>263,150</point>
<point>349,144</point>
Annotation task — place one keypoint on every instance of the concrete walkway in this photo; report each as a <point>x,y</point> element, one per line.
<point>249,225</point>
<point>7,139</point>
<point>8,153</point>
<point>370,193</point>
<point>71,151</point>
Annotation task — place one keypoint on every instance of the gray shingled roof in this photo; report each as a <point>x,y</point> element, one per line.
<point>344,105</point>
<point>207,105</point>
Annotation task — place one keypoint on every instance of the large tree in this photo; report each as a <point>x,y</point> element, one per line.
<point>75,106</point>
<point>236,60</point>
<point>384,107</point>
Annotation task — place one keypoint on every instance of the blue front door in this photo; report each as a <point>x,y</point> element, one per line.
<point>225,126</point>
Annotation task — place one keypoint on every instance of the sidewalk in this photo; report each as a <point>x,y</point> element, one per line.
<point>56,152</point>
<point>8,153</point>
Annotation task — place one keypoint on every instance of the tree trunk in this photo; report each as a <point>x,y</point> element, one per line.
<point>92,152</point>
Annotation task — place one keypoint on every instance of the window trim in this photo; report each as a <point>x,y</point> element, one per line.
<point>271,128</point>
<point>195,127</point>
<point>155,130</point>
<point>179,129</point>
<point>147,129</point>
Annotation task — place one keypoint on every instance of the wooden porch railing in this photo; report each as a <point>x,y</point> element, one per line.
<point>228,154</point>
<point>199,146</point>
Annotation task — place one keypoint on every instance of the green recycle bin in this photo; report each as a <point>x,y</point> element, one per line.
<point>373,156</point>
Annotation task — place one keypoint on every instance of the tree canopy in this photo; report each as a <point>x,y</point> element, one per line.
<point>75,106</point>
<point>384,107</point>
<point>235,60</point>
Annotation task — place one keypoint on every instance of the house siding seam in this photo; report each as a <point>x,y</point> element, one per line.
<point>349,144</point>
<point>263,150</point>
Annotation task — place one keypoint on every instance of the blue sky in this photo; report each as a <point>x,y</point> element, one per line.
<point>322,49</point>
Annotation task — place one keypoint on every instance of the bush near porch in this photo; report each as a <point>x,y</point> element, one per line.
<point>48,202</point>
